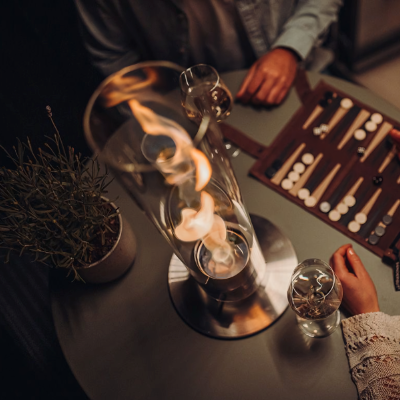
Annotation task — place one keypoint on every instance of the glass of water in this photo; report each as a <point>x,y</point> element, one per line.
<point>315,294</point>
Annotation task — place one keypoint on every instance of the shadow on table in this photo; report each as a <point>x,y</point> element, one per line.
<point>301,357</point>
<point>32,358</point>
<point>70,296</point>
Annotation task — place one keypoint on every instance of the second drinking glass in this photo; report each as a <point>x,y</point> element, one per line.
<point>315,294</point>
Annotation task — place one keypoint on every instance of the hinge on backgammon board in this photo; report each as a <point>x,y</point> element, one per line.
<point>397,275</point>
<point>396,269</point>
<point>244,142</point>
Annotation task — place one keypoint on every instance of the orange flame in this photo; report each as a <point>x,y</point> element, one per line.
<point>196,224</point>
<point>123,88</point>
<point>203,169</point>
<point>202,224</point>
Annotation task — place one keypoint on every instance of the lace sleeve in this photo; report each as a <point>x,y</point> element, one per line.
<point>373,349</point>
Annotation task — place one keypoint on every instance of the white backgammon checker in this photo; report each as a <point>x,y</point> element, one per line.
<point>321,188</point>
<point>287,184</point>
<point>358,122</point>
<point>298,188</point>
<point>277,179</point>
<point>347,201</point>
<point>362,216</point>
<point>345,105</point>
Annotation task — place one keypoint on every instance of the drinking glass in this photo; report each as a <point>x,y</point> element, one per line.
<point>315,294</point>
<point>202,82</point>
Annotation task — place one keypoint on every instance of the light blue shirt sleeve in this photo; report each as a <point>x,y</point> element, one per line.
<point>306,28</point>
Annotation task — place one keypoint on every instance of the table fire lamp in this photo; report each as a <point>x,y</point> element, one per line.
<point>224,280</point>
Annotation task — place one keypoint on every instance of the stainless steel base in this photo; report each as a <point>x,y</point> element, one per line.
<point>230,320</point>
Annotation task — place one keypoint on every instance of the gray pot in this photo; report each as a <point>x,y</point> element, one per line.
<point>117,261</point>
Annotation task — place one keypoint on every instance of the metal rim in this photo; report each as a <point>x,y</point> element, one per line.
<point>233,320</point>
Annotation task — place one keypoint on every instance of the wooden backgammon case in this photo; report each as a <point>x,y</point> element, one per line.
<point>335,159</point>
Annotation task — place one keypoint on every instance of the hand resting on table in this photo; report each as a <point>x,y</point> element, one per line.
<point>359,292</point>
<point>269,78</point>
<point>371,337</point>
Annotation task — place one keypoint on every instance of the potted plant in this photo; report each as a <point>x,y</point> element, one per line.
<point>53,206</point>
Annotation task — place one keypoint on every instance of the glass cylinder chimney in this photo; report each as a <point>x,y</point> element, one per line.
<point>178,172</point>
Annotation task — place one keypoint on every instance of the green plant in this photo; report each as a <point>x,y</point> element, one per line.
<point>51,204</point>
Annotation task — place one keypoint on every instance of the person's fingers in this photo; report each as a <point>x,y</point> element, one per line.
<point>278,92</point>
<point>338,262</point>
<point>343,249</point>
<point>282,95</point>
<point>355,262</point>
<point>339,265</point>
<point>260,97</point>
<point>246,83</point>
<point>253,87</point>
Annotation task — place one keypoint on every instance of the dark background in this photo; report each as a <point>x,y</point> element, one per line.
<point>43,62</point>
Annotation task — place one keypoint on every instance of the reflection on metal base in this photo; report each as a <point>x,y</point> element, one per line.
<point>229,320</point>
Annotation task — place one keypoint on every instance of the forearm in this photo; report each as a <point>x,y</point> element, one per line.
<point>308,24</point>
<point>373,349</point>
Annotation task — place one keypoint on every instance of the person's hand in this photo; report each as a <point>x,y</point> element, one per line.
<point>359,293</point>
<point>395,134</point>
<point>269,78</point>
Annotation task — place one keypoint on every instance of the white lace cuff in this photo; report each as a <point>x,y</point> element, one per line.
<point>372,334</point>
<point>373,349</point>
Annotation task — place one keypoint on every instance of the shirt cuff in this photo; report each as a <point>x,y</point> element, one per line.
<point>297,40</point>
<point>370,335</point>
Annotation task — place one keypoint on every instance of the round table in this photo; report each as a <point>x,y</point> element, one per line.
<point>124,340</point>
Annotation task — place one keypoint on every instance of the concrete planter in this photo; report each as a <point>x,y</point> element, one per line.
<point>117,261</point>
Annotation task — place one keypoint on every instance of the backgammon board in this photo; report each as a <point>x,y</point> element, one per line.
<point>335,159</point>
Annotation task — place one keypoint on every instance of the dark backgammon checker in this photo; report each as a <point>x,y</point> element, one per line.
<point>342,167</point>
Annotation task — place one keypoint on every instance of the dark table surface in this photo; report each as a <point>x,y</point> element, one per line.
<point>124,340</point>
